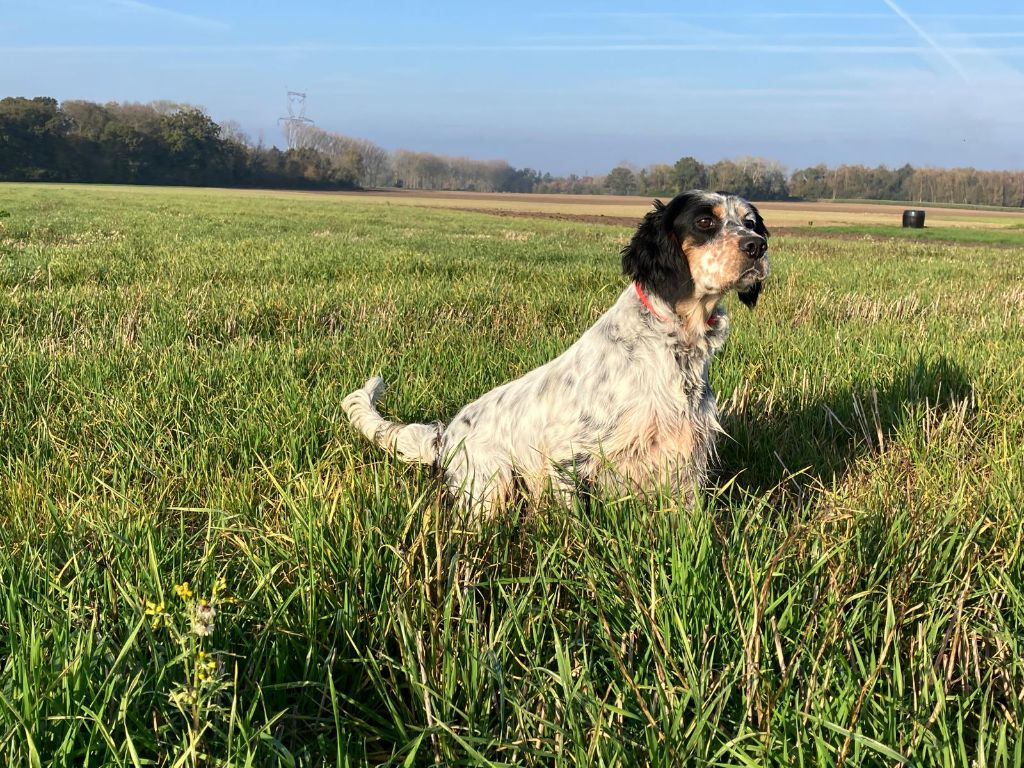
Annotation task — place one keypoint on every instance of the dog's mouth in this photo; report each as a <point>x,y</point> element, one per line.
<point>755,274</point>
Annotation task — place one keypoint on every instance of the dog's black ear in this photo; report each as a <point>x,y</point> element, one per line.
<point>654,257</point>
<point>759,226</point>
<point>642,259</point>
<point>749,296</point>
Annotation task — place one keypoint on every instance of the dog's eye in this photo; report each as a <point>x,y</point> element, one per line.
<point>749,223</point>
<point>705,223</point>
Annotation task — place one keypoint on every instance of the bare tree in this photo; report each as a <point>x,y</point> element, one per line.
<point>231,130</point>
<point>376,161</point>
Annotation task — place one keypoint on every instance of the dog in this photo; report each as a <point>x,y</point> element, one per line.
<point>626,409</point>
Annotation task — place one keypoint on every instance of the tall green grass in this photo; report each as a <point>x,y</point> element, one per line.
<point>849,590</point>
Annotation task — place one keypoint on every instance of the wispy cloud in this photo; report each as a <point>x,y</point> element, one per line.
<point>931,41</point>
<point>841,15</point>
<point>895,35</point>
<point>703,47</point>
<point>960,39</point>
<point>775,15</point>
<point>104,50</point>
<point>166,14</point>
<point>686,15</point>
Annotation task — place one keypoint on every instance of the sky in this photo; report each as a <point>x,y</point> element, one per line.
<point>565,87</point>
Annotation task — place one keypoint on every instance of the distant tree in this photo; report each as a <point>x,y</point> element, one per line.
<point>167,107</point>
<point>33,138</point>
<point>195,150</point>
<point>132,155</point>
<point>516,179</point>
<point>346,167</point>
<point>432,171</point>
<point>729,176</point>
<point>813,183</point>
<point>751,177</point>
<point>659,180</point>
<point>422,170</point>
<point>375,164</point>
<point>765,179</point>
<point>142,117</point>
<point>370,164</point>
<point>903,182</point>
<point>573,185</point>
<point>689,173</point>
<point>621,181</point>
<point>231,130</point>
<point>87,119</point>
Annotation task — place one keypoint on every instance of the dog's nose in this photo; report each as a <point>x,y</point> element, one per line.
<point>754,246</point>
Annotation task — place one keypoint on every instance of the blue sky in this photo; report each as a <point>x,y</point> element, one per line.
<point>564,87</point>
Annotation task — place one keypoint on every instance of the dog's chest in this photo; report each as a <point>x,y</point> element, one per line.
<point>675,429</point>
<point>683,424</point>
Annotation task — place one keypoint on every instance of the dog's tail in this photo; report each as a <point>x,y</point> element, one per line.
<point>417,443</point>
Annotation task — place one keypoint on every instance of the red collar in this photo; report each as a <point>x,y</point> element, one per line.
<point>647,303</point>
<point>712,319</point>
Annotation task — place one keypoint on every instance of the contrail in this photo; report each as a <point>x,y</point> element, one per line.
<point>156,10</point>
<point>1002,17</point>
<point>928,39</point>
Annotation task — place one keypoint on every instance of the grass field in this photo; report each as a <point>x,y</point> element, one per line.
<point>201,564</point>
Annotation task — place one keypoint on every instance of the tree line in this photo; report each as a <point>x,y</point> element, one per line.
<point>960,186</point>
<point>374,166</point>
<point>156,143</point>
<point>760,179</point>
<point>169,143</point>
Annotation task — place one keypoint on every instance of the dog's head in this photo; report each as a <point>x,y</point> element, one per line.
<point>702,244</point>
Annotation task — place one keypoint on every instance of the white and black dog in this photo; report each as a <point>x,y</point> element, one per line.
<point>628,407</point>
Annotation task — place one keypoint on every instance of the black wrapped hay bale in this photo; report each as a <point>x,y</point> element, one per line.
<point>914,219</point>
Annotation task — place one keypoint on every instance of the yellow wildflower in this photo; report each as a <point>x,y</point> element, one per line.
<point>156,610</point>
<point>184,590</point>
